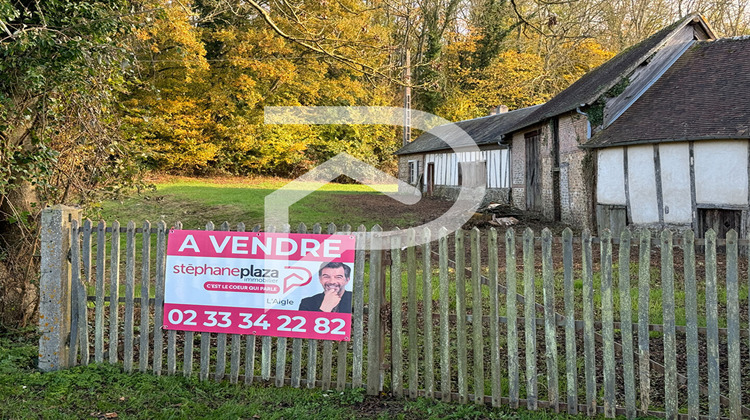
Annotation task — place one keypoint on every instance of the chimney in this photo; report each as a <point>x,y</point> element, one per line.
<point>500,109</point>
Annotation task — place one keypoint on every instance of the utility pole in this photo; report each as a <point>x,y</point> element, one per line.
<point>407,98</point>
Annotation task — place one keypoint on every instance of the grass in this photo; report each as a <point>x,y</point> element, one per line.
<point>105,391</point>
<point>194,202</point>
<point>655,310</point>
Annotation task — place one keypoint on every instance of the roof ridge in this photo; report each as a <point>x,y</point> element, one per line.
<point>483,130</point>
<point>733,38</point>
<point>580,93</point>
<point>493,115</point>
<point>671,32</point>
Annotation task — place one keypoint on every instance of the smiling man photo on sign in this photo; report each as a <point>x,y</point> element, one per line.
<point>333,276</point>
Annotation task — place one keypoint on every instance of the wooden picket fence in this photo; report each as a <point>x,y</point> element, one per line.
<point>430,320</point>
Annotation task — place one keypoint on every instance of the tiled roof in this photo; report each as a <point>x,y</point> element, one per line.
<point>484,130</point>
<point>704,95</point>
<point>587,89</point>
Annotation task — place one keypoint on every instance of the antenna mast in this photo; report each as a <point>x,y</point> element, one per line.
<point>407,98</point>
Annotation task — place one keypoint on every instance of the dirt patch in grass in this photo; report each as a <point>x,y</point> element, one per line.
<point>390,213</point>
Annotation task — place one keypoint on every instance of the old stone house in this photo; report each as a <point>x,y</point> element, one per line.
<point>657,136</point>
<point>552,172</point>
<point>429,163</point>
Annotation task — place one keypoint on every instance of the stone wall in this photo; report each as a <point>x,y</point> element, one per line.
<point>491,195</point>
<point>497,195</point>
<point>546,148</point>
<point>518,170</point>
<point>445,191</point>
<point>403,167</point>
<point>576,171</point>
<point>577,189</point>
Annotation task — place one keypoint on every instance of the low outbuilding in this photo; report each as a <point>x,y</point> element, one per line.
<point>658,136</point>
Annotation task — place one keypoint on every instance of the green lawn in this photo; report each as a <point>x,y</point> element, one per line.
<point>195,201</point>
<point>105,391</point>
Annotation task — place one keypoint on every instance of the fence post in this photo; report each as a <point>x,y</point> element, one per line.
<point>55,287</point>
<point>374,337</point>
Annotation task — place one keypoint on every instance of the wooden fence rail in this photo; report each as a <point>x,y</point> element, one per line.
<point>431,320</point>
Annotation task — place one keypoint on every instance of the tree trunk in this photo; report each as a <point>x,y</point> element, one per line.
<point>19,261</point>
<point>19,244</point>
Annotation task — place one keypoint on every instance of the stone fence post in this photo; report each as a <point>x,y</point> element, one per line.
<point>55,287</point>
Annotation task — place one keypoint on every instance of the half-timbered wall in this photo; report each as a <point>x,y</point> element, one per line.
<point>668,184</point>
<point>674,165</point>
<point>443,169</point>
<point>641,178</point>
<point>721,173</point>
<point>447,171</point>
<point>611,172</point>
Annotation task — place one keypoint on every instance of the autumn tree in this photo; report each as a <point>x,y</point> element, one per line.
<point>210,118</point>
<point>86,86</point>
<point>165,105</point>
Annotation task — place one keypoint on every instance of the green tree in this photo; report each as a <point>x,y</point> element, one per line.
<point>62,64</point>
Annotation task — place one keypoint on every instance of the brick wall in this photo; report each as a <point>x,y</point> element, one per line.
<point>576,187</point>
<point>576,191</point>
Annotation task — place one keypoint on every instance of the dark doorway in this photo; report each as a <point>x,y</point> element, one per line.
<point>533,172</point>
<point>720,220</point>
<point>430,178</point>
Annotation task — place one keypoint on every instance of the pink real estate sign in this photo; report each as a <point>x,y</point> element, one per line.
<point>274,284</point>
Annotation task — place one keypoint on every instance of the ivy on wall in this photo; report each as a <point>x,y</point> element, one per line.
<point>596,110</point>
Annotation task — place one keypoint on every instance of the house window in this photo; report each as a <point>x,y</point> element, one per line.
<point>413,172</point>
